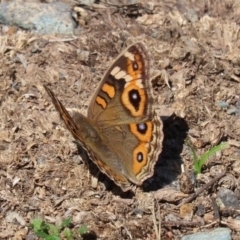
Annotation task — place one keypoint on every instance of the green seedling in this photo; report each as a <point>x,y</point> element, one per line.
<point>83,230</point>
<point>49,231</point>
<point>199,162</point>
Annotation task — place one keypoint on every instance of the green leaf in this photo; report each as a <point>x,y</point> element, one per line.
<point>42,234</point>
<point>197,169</point>
<point>65,223</point>
<point>211,152</point>
<point>52,238</point>
<point>198,163</point>
<point>40,227</point>
<point>83,229</point>
<point>49,231</point>
<point>68,233</point>
<point>36,224</point>
<point>53,230</point>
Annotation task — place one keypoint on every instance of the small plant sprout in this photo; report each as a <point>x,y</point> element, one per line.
<point>49,231</point>
<point>199,162</point>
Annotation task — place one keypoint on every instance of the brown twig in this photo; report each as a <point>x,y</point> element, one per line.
<point>200,190</point>
<point>181,223</point>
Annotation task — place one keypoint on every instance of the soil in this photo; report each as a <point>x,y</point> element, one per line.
<point>195,52</point>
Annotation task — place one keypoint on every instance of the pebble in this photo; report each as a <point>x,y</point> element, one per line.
<point>222,104</point>
<point>42,18</point>
<point>228,198</point>
<point>233,111</point>
<point>216,234</point>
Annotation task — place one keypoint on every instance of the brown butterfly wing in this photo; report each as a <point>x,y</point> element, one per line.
<point>122,109</point>
<point>66,117</point>
<point>124,94</point>
<point>106,160</point>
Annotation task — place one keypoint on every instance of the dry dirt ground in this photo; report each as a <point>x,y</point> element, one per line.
<point>195,51</point>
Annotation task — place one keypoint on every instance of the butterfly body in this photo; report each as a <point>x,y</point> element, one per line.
<point>122,132</point>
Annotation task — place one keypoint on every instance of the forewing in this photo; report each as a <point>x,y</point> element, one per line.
<point>124,94</point>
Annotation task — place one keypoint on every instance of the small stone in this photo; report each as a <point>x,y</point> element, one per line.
<point>201,210</point>
<point>228,198</point>
<point>138,212</point>
<point>51,18</point>
<point>222,104</point>
<point>233,111</point>
<point>192,15</point>
<point>216,234</point>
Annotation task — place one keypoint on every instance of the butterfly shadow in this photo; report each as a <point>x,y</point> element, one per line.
<point>168,167</point>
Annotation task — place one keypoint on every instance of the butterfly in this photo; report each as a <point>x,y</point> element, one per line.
<point>122,132</point>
